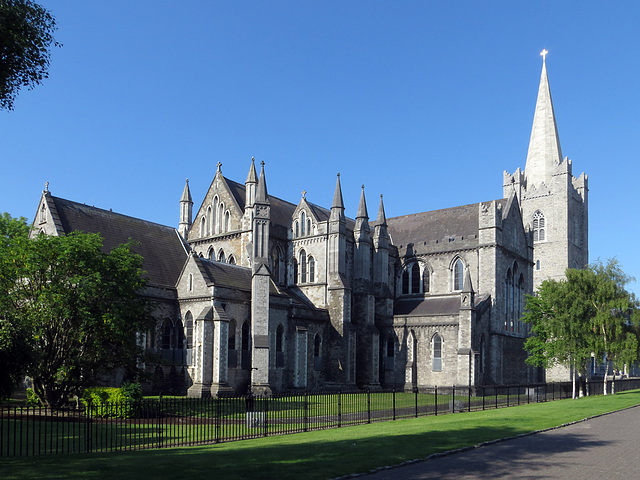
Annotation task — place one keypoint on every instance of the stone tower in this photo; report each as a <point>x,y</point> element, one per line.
<point>260,282</point>
<point>554,203</point>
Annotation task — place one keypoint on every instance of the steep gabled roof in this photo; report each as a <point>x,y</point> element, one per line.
<point>161,247</point>
<point>438,225</point>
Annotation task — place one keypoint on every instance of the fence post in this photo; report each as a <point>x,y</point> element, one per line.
<point>87,433</point>
<point>306,412</point>
<point>416,399</point>
<point>469,404</point>
<point>266,414</point>
<point>159,421</point>
<point>368,406</point>
<point>339,408</point>
<point>436,398</point>
<point>483,395</point>
<point>394,402</point>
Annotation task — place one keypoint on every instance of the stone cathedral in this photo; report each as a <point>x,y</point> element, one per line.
<point>254,293</point>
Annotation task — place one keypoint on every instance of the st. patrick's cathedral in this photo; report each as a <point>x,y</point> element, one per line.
<point>253,292</point>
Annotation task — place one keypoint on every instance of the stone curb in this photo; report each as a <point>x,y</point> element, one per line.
<point>473,447</point>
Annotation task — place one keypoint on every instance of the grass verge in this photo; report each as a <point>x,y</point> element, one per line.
<point>319,455</point>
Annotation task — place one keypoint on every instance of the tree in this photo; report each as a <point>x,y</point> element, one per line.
<point>26,35</point>
<point>589,313</point>
<point>75,308</point>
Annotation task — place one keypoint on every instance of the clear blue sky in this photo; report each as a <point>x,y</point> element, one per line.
<point>425,102</point>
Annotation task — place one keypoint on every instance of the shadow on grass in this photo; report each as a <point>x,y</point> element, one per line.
<point>334,454</point>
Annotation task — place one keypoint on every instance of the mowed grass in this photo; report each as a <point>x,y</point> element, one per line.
<point>319,455</point>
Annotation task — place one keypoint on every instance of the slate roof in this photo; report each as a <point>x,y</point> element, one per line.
<point>435,225</point>
<point>237,277</point>
<point>161,247</point>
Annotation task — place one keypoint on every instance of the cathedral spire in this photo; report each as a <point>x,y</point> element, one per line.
<point>362,206</point>
<point>337,207</point>
<point>382,218</point>
<point>250,185</point>
<point>544,145</point>
<point>186,211</point>
<point>261,193</point>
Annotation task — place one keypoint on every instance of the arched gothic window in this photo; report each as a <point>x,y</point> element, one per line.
<point>188,326</point>
<point>232,357</point>
<point>415,278</point>
<point>231,260</point>
<point>312,269</point>
<point>211,254</point>
<point>246,344</point>
<point>539,227</point>
<point>412,281</point>
<point>227,220</point>
<point>303,223</point>
<point>302,260</point>
<point>280,346</point>
<point>221,256</point>
<point>317,352</point>
<point>203,226</point>
<point>437,353</point>
<point>216,217</point>
<point>309,227</point>
<point>221,217</point>
<point>390,348</point>
<point>458,275</point>
<point>296,230</point>
<point>426,281</point>
<point>209,221</point>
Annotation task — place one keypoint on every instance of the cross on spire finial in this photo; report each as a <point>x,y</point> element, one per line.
<point>304,194</point>
<point>46,186</point>
<point>219,165</point>
<point>543,53</point>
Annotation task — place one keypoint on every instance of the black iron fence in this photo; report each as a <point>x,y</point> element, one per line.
<point>171,422</point>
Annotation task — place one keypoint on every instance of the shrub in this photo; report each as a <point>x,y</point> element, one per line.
<point>112,402</point>
<point>32,399</point>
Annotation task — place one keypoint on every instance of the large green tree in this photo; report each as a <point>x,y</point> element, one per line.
<point>26,37</point>
<point>589,313</point>
<point>74,309</point>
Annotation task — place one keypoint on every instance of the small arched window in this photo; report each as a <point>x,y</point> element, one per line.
<point>437,353</point>
<point>426,281</point>
<point>539,227</point>
<point>211,254</point>
<point>405,281</point>
<point>458,275</point>
<point>203,226</point>
<point>221,256</point>
<point>303,222</point>
<point>231,260</point>
<point>309,232</point>
<point>227,220</point>
<point>296,230</point>
<point>190,282</point>
<point>209,221</point>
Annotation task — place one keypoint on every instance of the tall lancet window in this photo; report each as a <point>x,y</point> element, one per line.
<point>458,275</point>
<point>539,227</point>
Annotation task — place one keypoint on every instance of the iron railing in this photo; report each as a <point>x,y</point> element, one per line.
<point>180,421</point>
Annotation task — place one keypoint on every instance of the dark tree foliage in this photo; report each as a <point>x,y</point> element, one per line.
<point>26,36</point>
<point>73,310</point>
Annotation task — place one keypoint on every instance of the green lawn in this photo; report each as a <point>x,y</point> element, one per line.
<point>322,454</point>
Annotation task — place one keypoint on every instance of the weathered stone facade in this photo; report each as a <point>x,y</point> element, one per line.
<point>259,294</point>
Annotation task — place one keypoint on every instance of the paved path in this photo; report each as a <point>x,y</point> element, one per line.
<point>605,447</point>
